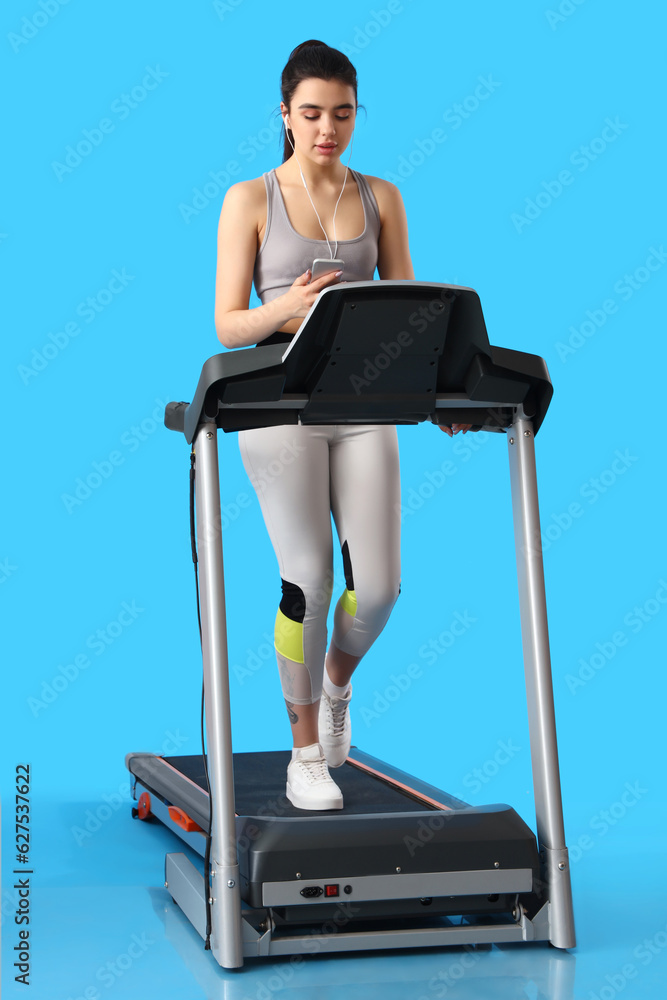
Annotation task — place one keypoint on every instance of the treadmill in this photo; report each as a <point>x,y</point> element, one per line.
<point>403,864</point>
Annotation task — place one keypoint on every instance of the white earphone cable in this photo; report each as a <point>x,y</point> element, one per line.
<point>333,255</point>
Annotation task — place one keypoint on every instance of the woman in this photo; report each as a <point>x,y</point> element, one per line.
<point>270,231</point>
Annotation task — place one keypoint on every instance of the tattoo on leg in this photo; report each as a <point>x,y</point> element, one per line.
<point>293,717</point>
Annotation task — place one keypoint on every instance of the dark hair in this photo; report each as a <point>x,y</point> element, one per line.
<point>313,59</point>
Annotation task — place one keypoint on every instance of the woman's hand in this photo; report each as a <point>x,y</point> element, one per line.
<point>455,428</point>
<point>302,295</point>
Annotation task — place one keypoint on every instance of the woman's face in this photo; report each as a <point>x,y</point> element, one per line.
<point>323,113</point>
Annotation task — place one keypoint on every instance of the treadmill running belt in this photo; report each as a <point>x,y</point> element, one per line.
<point>259,786</point>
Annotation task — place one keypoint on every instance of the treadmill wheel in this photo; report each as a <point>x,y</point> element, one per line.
<point>143,810</point>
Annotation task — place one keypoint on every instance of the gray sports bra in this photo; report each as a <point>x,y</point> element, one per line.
<point>284,254</point>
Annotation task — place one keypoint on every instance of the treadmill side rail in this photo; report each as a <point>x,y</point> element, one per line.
<point>539,684</point>
<point>226,937</point>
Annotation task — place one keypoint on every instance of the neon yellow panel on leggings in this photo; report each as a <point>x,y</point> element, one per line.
<point>348,601</point>
<point>288,637</point>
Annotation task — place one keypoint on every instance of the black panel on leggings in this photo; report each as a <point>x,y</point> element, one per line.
<point>293,602</point>
<point>347,567</point>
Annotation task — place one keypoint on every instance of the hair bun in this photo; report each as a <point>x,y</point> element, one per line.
<point>311,43</point>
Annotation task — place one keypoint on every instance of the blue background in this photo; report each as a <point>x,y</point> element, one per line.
<point>144,202</point>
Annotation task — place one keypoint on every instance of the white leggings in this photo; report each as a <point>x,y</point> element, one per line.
<point>302,474</point>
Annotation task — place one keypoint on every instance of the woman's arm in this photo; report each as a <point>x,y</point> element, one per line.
<point>394,263</point>
<point>235,324</point>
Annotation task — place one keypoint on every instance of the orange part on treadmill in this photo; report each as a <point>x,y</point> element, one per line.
<point>144,806</point>
<point>182,819</point>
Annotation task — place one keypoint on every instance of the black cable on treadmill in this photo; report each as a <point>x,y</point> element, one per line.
<point>207,854</point>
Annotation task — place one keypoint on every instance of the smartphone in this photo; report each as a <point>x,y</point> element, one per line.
<point>321,265</point>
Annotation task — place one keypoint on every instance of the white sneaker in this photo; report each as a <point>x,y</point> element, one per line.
<point>334,727</point>
<point>309,784</point>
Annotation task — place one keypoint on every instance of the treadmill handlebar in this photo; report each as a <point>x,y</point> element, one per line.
<point>174,416</point>
<point>373,352</point>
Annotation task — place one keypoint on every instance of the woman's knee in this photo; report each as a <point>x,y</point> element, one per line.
<point>379,602</point>
<point>301,618</point>
<point>300,634</point>
<point>307,596</point>
<point>361,616</point>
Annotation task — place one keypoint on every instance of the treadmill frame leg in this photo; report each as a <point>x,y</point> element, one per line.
<point>539,684</point>
<point>226,924</point>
